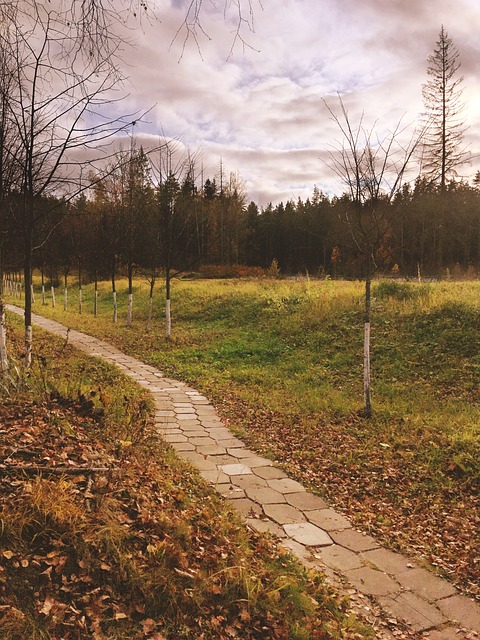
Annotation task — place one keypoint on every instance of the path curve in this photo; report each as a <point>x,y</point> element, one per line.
<point>270,501</point>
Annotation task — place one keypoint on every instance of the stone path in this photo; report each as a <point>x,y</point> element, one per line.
<point>270,501</point>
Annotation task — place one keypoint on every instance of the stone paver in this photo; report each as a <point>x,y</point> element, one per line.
<point>424,582</point>
<point>246,507</point>
<point>445,633</point>
<point>235,469</point>
<point>388,561</point>
<point>462,610</point>
<point>264,495</point>
<point>286,485</point>
<point>307,534</point>
<point>182,446</point>
<point>409,607</point>
<point>372,581</point>
<point>339,558</point>
<point>249,481</point>
<point>270,501</point>
<point>256,461</point>
<point>354,540</point>
<point>214,476</point>
<point>328,519</point>
<point>230,491</point>
<point>266,526</point>
<point>210,449</point>
<point>269,473</point>
<point>305,501</point>
<point>283,513</point>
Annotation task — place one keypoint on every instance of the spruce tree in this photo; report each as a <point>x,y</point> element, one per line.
<point>442,95</point>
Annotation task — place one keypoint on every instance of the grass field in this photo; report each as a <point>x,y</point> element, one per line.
<point>283,362</point>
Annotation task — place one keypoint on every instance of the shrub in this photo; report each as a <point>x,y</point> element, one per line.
<point>401,290</point>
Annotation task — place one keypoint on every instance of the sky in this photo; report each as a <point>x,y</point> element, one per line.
<point>259,109</point>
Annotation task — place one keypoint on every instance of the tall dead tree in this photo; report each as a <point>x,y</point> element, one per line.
<point>10,152</point>
<point>442,150</point>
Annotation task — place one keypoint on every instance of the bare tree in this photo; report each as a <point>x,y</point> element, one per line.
<point>97,23</point>
<point>239,13</point>
<point>443,151</point>
<point>56,107</point>
<point>372,170</point>
<point>10,149</point>
<point>175,227</point>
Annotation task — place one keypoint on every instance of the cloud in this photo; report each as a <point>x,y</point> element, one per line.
<point>261,109</point>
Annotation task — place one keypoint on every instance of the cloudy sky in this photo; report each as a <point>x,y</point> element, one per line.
<point>259,109</point>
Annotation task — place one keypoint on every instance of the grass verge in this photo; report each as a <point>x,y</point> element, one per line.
<point>282,360</point>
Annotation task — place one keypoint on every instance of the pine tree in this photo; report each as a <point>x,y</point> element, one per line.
<point>442,149</point>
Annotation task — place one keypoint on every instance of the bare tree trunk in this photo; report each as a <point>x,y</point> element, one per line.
<point>367,409</point>
<point>168,315</point>
<point>27,272</point>
<point>65,293</point>
<point>3,327</point>
<point>114,296</point>
<point>52,285</point>
<point>95,297</point>
<point>3,339</point>
<point>130,310</point>
<point>44,302</point>
<point>80,291</point>
<point>3,331</point>
<point>130,296</point>
<point>150,301</point>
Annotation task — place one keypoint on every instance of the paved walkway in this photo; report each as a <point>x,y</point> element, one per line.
<point>270,501</point>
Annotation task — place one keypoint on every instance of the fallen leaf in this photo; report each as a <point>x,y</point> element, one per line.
<point>47,606</point>
<point>120,616</point>
<point>148,625</point>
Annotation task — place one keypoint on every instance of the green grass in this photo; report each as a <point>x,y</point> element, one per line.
<point>283,361</point>
<point>302,343</point>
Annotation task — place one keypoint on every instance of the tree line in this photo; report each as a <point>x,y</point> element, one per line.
<point>130,223</point>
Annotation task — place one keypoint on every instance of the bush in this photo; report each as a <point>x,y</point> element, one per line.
<point>401,290</point>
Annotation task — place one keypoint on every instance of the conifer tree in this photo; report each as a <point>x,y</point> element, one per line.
<point>442,148</point>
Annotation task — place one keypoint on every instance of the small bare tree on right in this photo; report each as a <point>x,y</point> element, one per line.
<point>372,168</point>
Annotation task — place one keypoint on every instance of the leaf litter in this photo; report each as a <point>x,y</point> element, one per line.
<point>385,489</point>
<point>123,544</point>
